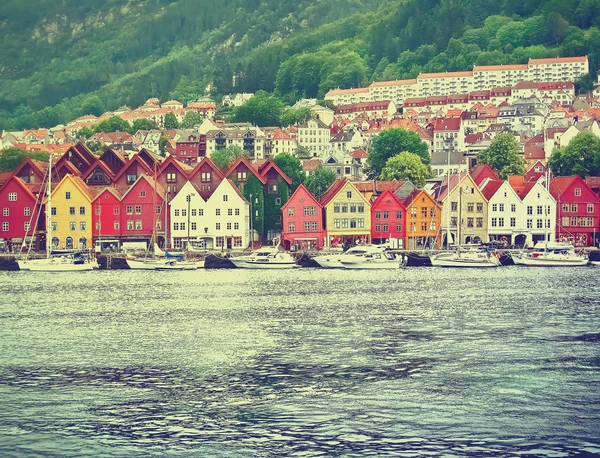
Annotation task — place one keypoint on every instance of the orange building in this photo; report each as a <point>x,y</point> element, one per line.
<point>423,220</point>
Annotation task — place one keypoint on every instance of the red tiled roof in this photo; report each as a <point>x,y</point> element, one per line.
<point>446,124</point>
<point>311,164</point>
<point>558,60</point>
<point>558,185</point>
<point>533,152</point>
<point>494,68</point>
<point>490,188</point>
<point>332,191</point>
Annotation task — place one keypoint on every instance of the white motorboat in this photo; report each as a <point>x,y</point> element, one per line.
<point>376,257</point>
<point>470,258</point>
<point>334,260</point>
<point>266,258</point>
<point>550,254</point>
<point>162,264</point>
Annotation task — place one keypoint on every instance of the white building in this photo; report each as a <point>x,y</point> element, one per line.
<point>221,222</point>
<point>247,137</point>
<point>314,135</point>
<point>437,84</point>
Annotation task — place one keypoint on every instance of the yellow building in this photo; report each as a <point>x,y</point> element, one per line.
<point>71,214</point>
<point>347,215</point>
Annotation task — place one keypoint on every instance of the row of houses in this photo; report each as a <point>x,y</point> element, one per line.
<point>481,78</point>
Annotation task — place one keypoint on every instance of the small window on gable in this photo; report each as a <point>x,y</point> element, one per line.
<point>577,191</point>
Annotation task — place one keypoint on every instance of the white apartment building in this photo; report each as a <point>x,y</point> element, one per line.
<point>436,84</point>
<point>397,91</point>
<point>491,76</point>
<point>314,134</point>
<point>348,96</point>
<point>221,222</point>
<point>249,138</point>
<point>558,69</point>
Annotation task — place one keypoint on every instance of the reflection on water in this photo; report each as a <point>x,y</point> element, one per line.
<point>413,362</point>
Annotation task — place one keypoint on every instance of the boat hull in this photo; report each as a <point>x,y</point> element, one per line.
<point>45,265</point>
<point>463,263</point>
<point>135,264</point>
<point>270,265</point>
<point>549,262</point>
<point>370,265</point>
<point>328,263</point>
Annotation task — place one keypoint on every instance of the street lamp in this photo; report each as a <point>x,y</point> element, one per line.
<point>188,198</point>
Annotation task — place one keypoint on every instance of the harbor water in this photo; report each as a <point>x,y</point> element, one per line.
<point>303,362</point>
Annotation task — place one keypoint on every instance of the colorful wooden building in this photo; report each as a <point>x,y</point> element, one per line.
<point>423,221</point>
<point>388,220</point>
<point>302,222</point>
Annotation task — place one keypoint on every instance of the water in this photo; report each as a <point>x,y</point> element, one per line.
<point>413,362</point>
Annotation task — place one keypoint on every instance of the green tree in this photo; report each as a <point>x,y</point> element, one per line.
<point>405,166</point>
<point>262,109</point>
<point>223,158</point>
<point>580,157</point>
<point>292,167</point>
<point>192,119</point>
<point>162,145</point>
<point>294,116</point>
<point>392,142</point>
<point>171,121</point>
<point>303,152</point>
<point>92,105</point>
<point>319,181</point>
<point>113,124</point>
<point>10,158</point>
<point>503,156</point>
<point>85,132</point>
<point>142,124</point>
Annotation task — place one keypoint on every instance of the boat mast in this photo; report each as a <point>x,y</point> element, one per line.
<point>448,205</point>
<point>459,211</point>
<point>49,210</point>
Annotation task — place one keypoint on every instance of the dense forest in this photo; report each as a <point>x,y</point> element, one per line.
<point>60,59</point>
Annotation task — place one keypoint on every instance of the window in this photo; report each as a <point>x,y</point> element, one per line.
<point>470,222</point>
<point>494,207</point>
<point>413,227</point>
<point>236,226</point>
<point>590,208</point>
<point>138,210</point>
<point>142,193</point>
<point>345,223</point>
<point>530,209</point>
<point>175,226</point>
<point>454,206</point>
<point>479,222</point>
<point>398,215</point>
<point>67,196</point>
<point>453,221</point>
<point>377,215</point>
<point>194,212</point>
<point>386,228</point>
<point>573,221</point>
<point>277,200</point>
<point>361,208</point>
<point>578,192</point>
<point>310,211</point>
<point>54,225</point>
<point>529,223</point>
<point>82,211</point>
<point>290,211</point>
<point>220,241</point>
<point>116,225</point>
<point>306,226</point>
<point>378,228</point>
<point>336,223</point>
<point>5,226</point>
<point>177,211</point>
<point>539,223</point>
<point>349,194</point>
<point>73,225</point>
<point>205,177</point>
<point>218,226</point>
<point>53,211</point>
<point>200,212</point>
<point>470,207</point>
<point>5,211</point>
<point>501,222</point>
<point>574,208</point>
<point>98,211</point>
<point>424,212</point>
<point>228,226</point>
<point>72,211</point>
<point>432,227</point>
<point>242,176</point>
<point>565,207</point>
<point>194,226</point>
<point>116,210</point>
<point>171,177</point>
<point>494,222</point>
<point>423,226</point>
<point>513,222</point>
<point>131,179</point>
<point>273,189</point>
<point>513,208</point>
<point>225,197</point>
<point>413,211</point>
<point>129,210</point>
<point>479,208</point>
<point>352,208</point>
<point>540,209</point>
<point>336,208</point>
<point>82,225</point>
<point>218,212</point>
<point>501,207</point>
<point>183,212</point>
<point>182,226</point>
<point>12,197</point>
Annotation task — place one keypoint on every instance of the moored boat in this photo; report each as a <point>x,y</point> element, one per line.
<point>550,254</point>
<point>334,260</point>
<point>475,259</point>
<point>265,258</point>
<point>376,257</point>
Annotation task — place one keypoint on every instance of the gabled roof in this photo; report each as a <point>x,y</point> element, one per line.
<point>559,185</point>
<point>84,152</point>
<point>332,191</point>
<point>28,190</point>
<point>183,168</point>
<point>79,183</point>
<point>114,191</point>
<point>71,169</point>
<point>157,187</point>
<point>386,195</point>
<point>243,160</point>
<point>481,171</point>
<point>40,166</point>
<point>490,188</point>
<point>103,166</point>
<point>149,157</point>
<point>207,161</point>
<point>268,165</point>
<point>298,190</point>
<point>138,160</point>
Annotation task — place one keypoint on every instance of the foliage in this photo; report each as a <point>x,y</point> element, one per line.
<point>292,167</point>
<point>223,158</point>
<point>112,124</point>
<point>580,157</point>
<point>262,110</point>
<point>162,145</point>
<point>391,142</point>
<point>293,116</point>
<point>142,124</point>
<point>503,156</point>
<point>303,152</point>
<point>407,166</point>
<point>171,121</point>
<point>253,191</point>
<point>85,132</point>
<point>319,181</point>
<point>192,119</point>
<point>10,158</point>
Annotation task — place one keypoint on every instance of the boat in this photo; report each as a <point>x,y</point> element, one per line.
<point>480,258</point>
<point>376,257</point>
<point>334,260</point>
<point>162,260</point>
<point>269,257</point>
<point>55,261</point>
<point>550,254</point>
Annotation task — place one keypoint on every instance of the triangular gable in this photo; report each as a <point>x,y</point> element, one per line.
<point>148,157</point>
<point>64,168</point>
<point>84,152</point>
<point>301,189</point>
<point>113,160</point>
<point>79,184</point>
<point>156,187</point>
<point>272,165</point>
<point>185,170</point>
<point>208,162</point>
<point>110,190</point>
<point>243,160</point>
<point>39,166</point>
<point>22,184</point>
<point>185,190</point>
<point>103,166</point>
<point>134,159</point>
<point>331,193</point>
<point>386,195</point>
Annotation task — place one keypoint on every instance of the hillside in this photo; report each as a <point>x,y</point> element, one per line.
<point>59,60</point>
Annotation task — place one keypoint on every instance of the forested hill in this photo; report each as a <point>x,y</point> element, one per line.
<point>60,59</point>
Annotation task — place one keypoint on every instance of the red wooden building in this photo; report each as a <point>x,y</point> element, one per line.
<point>302,222</point>
<point>388,219</point>
<point>577,211</point>
<point>106,216</point>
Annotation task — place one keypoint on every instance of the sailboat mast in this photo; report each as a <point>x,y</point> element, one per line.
<point>49,210</point>
<point>448,201</point>
<point>459,211</point>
